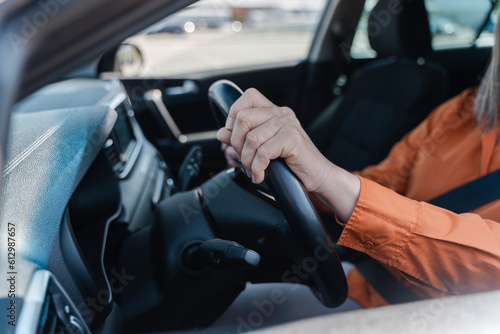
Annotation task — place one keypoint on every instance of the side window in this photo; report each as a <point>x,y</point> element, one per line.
<point>453,24</point>
<point>456,23</point>
<point>214,35</point>
<point>361,45</point>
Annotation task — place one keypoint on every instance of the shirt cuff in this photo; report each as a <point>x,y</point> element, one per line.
<point>381,224</point>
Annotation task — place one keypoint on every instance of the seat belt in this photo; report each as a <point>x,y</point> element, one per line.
<point>471,195</point>
<point>465,198</point>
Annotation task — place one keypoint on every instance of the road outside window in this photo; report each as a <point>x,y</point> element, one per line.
<point>217,35</point>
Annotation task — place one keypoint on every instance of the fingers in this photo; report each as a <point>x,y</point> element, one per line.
<point>224,136</point>
<point>259,132</point>
<point>251,99</point>
<point>235,131</point>
<point>232,157</point>
<point>283,144</point>
<point>256,138</point>
<point>249,119</point>
<point>245,138</point>
<point>246,120</point>
<point>270,150</point>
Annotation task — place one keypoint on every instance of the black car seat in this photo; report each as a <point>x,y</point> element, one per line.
<point>388,97</point>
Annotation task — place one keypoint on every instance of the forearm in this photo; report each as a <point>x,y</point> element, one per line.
<point>339,191</point>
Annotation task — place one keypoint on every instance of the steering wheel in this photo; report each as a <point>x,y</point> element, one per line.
<point>293,200</point>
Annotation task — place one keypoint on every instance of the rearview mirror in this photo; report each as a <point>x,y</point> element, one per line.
<point>128,60</point>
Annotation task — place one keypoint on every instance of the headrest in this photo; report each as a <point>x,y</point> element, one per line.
<point>400,28</point>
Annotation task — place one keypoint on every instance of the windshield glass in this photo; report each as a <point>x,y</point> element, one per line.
<point>213,35</point>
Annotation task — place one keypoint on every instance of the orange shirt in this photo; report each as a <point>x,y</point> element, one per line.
<point>431,250</point>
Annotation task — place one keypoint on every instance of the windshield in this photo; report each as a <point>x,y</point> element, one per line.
<point>212,35</point>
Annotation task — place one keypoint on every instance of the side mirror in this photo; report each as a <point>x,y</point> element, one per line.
<point>128,60</point>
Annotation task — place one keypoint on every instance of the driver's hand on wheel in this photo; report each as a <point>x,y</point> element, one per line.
<point>259,131</point>
<point>232,158</point>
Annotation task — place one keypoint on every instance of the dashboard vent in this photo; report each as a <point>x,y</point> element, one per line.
<point>52,324</point>
<point>113,156</point>
<point>47,308</point>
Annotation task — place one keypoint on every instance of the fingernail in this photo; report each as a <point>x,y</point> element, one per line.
<point>229,123</point>
<point>253,179</point>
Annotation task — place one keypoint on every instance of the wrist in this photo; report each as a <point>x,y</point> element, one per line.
<point>339,190</point>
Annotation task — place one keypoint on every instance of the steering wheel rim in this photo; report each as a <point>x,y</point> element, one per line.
<point>293,200</point>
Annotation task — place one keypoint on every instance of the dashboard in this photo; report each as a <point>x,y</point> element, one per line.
<point>77,144</point>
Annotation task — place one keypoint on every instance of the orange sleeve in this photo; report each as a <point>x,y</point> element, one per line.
<point>437,252</point>
<point>394,171</point>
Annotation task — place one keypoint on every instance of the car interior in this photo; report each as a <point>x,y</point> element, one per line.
<point>116,197</point>
<point>386,98</point>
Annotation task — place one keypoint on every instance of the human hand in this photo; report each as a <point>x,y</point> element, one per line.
<point>232,157</point>
<point>259,131</point>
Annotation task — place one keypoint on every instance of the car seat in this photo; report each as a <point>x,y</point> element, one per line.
<point>388,97</point>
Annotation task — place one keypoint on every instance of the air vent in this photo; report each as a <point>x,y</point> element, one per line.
<point>113,156</point>
<point>48,309</point>
<point>52,323</point>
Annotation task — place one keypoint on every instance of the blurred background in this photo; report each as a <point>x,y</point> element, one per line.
<point>214,35</point>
